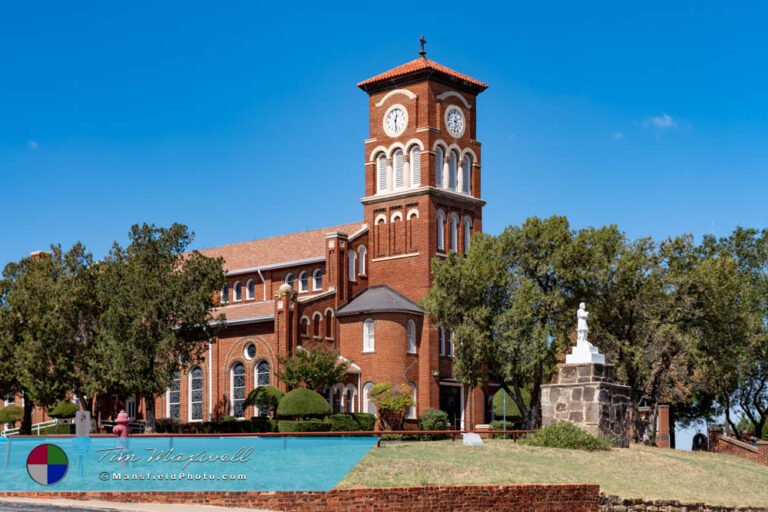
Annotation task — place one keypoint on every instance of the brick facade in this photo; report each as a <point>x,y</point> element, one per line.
<point>488,498</point>
<point>392,246</point>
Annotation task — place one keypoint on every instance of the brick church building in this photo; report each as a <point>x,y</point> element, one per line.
<point>356,287</point>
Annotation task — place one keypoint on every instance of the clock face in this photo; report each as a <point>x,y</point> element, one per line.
<point>454,121</point>
<point>395,121</point>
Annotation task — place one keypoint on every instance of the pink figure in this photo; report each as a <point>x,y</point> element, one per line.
<point>122,429</point>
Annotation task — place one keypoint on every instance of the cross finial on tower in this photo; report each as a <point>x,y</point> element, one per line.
<point>423,52</point>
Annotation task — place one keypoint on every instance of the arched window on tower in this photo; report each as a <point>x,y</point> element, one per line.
<point>250,289</point>
<point>329,323</point>
<point>289,280</point>
<point>368,405</point>
<point>316,324</point>
<point>411,336</point>
<point>317,280</point>
<point>398,168</point>
<point>439,162</point>
<point>381,174</point>
<point>441,336</point>
<point>467,233</point>
<point>440,231</point>
<point>304,281</point>
<point>454,232</point>
<point>369,328</point>
<point>304,326</point>
<point>174,397</point>
<point>415,159</point>
<point>453,162</point>
<point>466,170</point>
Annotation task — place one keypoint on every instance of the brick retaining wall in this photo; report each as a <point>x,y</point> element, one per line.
<point>616,504</point>
<point>720,443</point>
<point>484,498</point>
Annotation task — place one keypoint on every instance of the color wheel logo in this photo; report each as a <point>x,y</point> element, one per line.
<point>47,464</point>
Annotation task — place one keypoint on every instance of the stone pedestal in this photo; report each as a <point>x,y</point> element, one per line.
<point>586,395</point>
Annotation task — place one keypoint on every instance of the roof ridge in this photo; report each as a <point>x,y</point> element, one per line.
<point>327,228</point>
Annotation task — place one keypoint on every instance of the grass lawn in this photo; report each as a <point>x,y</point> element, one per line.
<point>637,472</point>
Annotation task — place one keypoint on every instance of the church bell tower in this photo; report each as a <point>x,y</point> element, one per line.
<point>422,170</point>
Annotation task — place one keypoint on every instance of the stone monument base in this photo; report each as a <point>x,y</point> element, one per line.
<point>586,395</point>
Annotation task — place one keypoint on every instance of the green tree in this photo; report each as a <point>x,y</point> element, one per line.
<point>510,309</point>
<point>314,368</point>
<point>157,310</point>
<point>391,404</point>
<point>49,314</point>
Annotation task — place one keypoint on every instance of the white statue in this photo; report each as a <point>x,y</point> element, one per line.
<point>584,351</point>
<point>581,327</point>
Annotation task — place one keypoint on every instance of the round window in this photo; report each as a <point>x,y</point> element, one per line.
<point>250,351</point>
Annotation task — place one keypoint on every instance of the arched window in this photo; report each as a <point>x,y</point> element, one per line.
<point>225,294</point>
<point>336,398</point>
<point>369,327</point>
<point>381,173</point>
<point>415,159</point>
<point>410,412</point>
<point>411,329</point>
<point>453,162</point>
<point>250,290</point>
<point>450,347</point>
<point>238,293</point>
<point>289,280</point>
<point>174,397</point>
<point>329,323</point>
<point>351,271</point>
<point>467,233</point>
<point>196,394</point>
<point>454,232</point>
<point>304,326</point>
<point>362,251</point>
<point>304,281</point>
<point>349,399</point>
<point>398,167</point>
<point>237,390</point>
<point>441,336</point>
<point>261,378</point>
<point>316,324</point>
<point>441,231</point>
<point>368,405</point>
<point>317,280</point>
<point>466,175</point>
<point>439,162</point>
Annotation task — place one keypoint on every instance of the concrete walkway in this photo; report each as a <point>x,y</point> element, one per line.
<point>59,505</point>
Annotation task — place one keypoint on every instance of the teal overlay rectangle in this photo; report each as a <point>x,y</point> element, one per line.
<point>247,463</point>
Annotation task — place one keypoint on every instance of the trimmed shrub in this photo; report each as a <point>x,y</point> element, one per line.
<point>350,422</point>
<point>228,418</point>
<point>63,409</point>
<point>265,396</point>
<point>313,425</point>
<point>566,435</point>
<point>303,403</point>
<point>167,426</point>
<point>11,414</point>
<point>433,419</point>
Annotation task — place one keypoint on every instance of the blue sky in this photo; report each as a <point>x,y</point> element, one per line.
<point>242,119</point>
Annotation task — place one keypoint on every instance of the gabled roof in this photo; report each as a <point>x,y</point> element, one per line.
<point>421,68</point>
<point>380,299</point>
<point>293,248</point>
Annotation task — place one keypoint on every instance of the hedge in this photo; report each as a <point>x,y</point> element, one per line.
<point>63,409</point>
<point>303,403</point>
<point>566,435</point>
<point>433,419</point>
<point>313,425</point>
<point>11,414</point>
<point>350,422</point>
<point>254,425</point>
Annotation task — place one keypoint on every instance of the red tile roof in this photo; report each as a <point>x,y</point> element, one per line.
<point>278,249</point>
<point>420,64</point>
